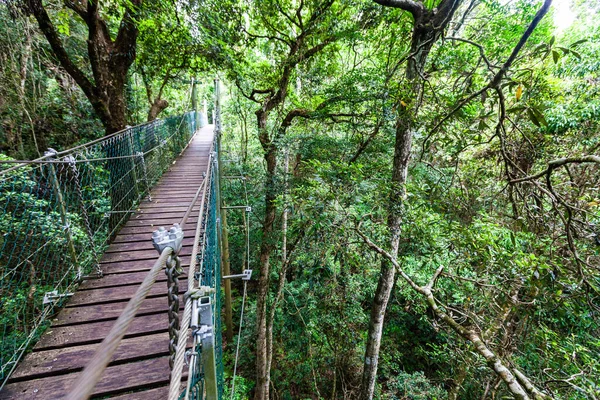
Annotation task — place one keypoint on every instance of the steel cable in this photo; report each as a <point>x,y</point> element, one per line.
<point>86,381</point>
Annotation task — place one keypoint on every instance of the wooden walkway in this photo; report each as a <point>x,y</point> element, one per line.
<point>140,368</point>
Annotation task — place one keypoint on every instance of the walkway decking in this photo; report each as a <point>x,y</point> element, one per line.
<point>140,368</point>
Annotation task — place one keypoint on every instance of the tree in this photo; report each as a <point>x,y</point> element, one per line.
<point>428,26</point>
<point>110,55</point>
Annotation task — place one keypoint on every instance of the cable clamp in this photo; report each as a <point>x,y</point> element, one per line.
<point>51,297</point>
<point>198,292</point>
<point>246,275</point>
<point>173,238</point>
<point>202,318</point>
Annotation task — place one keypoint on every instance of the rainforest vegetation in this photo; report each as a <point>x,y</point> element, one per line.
<point>423,175</point>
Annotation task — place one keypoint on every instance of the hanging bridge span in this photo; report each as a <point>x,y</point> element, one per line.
<point>99,301</point>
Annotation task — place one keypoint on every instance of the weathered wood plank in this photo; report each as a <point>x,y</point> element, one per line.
<point>74,335</point>
<point>135,266</point>
<point>137,255</point>
<point>116,379</point>
<point>145,245</point>
<point>146,233</point>
<point>78,315</point>
<point>60,361</point>
<point>117,293</point>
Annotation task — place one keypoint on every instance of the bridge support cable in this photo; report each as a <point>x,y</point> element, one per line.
<point>86,382</point>
<point>59,214</point>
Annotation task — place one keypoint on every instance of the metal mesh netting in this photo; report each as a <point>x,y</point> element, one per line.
<point>58,214</point>
<point>210,275</point>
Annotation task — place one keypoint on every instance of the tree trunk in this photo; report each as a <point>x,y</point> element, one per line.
<point>158,106</point>
<point>109,59</point>
<point>427,28</point>
<point>402,149</point>
<point>266,248</point>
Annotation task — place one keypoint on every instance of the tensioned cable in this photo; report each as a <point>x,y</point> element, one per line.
<point>177,370</point>
<point>86,381</point>
<point>44,159</point>
<point>237,349</point>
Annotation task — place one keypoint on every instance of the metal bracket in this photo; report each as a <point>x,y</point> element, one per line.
<point>51,297</point>
<point>246,275</point>
<point>95,275</point>
<point>50,153</point>
<point>202,328</point>
<point>173,238</point>
<point>202,318</point>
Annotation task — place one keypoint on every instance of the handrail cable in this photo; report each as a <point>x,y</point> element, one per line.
<point>89,377</point>
<point>45,160</point>
<point>177,370</point>
<point>90,143</point>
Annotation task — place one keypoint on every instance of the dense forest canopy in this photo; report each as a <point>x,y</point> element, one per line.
<point>424,176</point>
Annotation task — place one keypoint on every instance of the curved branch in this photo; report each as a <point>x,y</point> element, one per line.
<point>554,164</point>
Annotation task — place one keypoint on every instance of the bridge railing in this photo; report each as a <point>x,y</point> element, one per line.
<point>205,366</point>
<point>58,213</point>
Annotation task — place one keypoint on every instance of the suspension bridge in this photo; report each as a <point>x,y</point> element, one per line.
<point>99,300</point>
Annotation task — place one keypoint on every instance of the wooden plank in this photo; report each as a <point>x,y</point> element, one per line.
<point>116,280</point>
<point>151,223</point>
<point>74,335</point>
<point>188,231</point>
<point>78,315</point>
<point>118,293</point>
<point>137,255</point>
<point>135,266</point>
<point>116,379</point>
<point>60,361</point>
<point>145,245</point>
<point>152,394</point>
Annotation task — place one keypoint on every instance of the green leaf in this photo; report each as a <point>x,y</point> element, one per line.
<point>533,118</point>
<point>577,43</point>
<point>539,116</point>
<point>555,56</point>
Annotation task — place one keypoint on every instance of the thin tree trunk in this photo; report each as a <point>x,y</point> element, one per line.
<point>266,248</point>
<point>226,271</point>
<point>387,276</point>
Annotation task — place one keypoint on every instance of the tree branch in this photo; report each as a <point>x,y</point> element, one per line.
<point>494,362</point>
<point>554,164</point>
<point>416,9</point>
<point>49,31</point>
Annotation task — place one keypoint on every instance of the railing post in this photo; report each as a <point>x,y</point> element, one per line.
<point>51,154</point>
<point>195,104</point>
<point>133,164</point>
<point>145,171</point>
<point>207,339</point>
<point>86,218</point>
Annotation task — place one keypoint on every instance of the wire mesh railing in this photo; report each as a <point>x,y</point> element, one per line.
<point>59,212</point>
<point>209,276</point>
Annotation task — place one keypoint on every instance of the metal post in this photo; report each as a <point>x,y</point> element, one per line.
<point>207,339</point>
<point>86,220</point>
<point>133,166</point>
<point>51,153</point>
<point>145,170</point>
<point>195,103</point>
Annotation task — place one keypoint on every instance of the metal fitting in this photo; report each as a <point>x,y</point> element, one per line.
<point>51,297</point>
<point>202,317</point>
<point>50,153</point>
<point>173,238</point>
